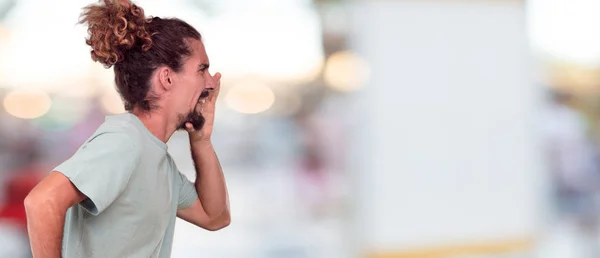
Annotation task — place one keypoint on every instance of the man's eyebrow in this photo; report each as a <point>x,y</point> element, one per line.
<point>203,66</point>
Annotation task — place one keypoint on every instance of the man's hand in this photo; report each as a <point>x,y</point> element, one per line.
<point>207,108</point>
<point>211,210</point>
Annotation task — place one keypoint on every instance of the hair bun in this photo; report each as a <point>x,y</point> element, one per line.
<point>115,26</point>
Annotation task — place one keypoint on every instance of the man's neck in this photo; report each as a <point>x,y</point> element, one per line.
<point>158,124</point>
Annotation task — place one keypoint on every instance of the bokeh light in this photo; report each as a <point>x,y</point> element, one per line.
<point>27,104</point>
<point>346,71</point>
<point>250,97</point>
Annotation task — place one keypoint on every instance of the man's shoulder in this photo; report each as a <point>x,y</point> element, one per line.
<point>111,144</point>
<point>116,135</point>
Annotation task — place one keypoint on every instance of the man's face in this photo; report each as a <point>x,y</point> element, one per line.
<point>193,84</point>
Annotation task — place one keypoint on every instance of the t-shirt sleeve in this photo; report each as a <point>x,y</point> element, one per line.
<point>101,169</point>
<point>187,191</point>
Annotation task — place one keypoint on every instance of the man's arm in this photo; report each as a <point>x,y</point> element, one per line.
<point>211,210</point>
<point>46,206</point>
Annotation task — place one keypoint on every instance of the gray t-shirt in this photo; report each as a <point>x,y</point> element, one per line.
<point>134,190</point>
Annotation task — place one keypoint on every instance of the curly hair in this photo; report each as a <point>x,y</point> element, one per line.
<point>121,36</point>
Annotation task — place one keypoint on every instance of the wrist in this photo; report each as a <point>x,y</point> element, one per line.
<point>201,142</point>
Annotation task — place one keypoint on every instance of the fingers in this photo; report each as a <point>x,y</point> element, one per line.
<point>215,93</point>
<point>189,127</point>
<point>217,77</point>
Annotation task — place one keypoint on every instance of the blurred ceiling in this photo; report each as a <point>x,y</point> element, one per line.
<point>564,37</point>
<point>565,30</point>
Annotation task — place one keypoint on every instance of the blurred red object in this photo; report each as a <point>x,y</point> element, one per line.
<point>17,188</point>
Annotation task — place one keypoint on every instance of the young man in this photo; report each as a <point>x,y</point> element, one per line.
<point>120,194</point>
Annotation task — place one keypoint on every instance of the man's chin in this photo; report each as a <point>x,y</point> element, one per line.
<point>197,121</point>
<point>198,125</point>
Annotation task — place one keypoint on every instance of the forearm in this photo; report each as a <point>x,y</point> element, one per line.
<point>210,181</point>
<point>45,227</point>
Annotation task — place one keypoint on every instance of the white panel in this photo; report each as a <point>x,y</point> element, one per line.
<point>449,148</point>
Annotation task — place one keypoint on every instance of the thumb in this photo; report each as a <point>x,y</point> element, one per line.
<point>217,76</point>
<point>189,127</point>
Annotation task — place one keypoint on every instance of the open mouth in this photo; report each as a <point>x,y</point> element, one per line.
<point>204,96</point>
<point>205,93</point>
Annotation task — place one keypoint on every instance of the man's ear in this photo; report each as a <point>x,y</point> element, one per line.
<point>165,77</point>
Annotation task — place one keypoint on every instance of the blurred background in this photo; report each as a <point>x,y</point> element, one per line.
<point>346,129</point>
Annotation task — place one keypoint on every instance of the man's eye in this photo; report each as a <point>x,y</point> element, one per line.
<point>203,68</point>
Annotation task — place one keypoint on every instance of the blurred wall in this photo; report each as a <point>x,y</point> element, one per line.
<point>448,146</point>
